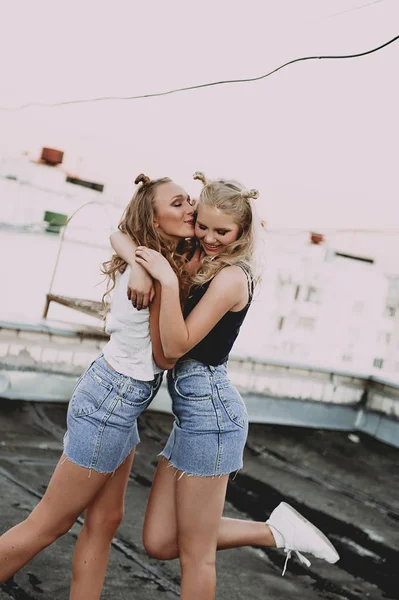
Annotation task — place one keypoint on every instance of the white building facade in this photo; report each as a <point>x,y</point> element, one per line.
<point>317,307</point>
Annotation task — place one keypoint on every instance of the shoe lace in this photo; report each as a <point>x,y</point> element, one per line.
<point>301,557</point>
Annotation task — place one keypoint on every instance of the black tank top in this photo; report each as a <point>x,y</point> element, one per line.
<point>214,349</point>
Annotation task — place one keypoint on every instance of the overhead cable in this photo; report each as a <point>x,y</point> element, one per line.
<point>201,85</point>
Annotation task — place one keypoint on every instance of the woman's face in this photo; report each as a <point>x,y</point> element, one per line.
<point>174,211</point>
<point>215,229</point>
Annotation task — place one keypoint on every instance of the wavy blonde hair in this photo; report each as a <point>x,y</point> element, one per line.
<point>138,222</point>
<point>233,199</point>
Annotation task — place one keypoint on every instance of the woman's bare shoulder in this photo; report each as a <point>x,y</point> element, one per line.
<point>231,276</point>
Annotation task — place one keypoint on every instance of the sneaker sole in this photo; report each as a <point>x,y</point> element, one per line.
<point>335,556</point>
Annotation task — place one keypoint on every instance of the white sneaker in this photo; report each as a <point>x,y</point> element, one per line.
<point>300,535</point>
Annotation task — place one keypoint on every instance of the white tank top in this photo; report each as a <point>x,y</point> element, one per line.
<point>129,350</point>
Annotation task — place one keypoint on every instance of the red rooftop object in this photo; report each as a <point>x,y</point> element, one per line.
<point>51,156</point>
<point>316,238</point>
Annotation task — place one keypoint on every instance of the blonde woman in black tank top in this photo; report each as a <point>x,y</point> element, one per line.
<point>184,513</point>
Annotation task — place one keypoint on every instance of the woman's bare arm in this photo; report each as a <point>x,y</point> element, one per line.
<point>140,290</point>
<point>178,336</point>
<point>227,290</point>
<point>157,350</point>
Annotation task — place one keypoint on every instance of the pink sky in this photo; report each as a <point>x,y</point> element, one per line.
<point>318,139</point>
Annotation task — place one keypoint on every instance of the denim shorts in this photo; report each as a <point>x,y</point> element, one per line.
<point>211,421</point>
<point>102,416</point>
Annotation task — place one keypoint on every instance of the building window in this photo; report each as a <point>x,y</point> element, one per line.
<point>390,311</point>
<point>347,358</point>
<point>280,323</point>
<point>384,337</point>
<point>312,294</point>
<point>378,363</point>
<point>297,292</point>
<point>306,323</point>
<point>289,347</point>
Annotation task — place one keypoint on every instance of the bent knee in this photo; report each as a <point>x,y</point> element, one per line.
<point>158,548</point>
<point>102,521</point>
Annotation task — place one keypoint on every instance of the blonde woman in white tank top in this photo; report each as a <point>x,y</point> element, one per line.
<point>93,471</point>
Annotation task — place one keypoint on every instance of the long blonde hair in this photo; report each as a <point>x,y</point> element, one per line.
<point>233,199</point>
<point>138,221</point>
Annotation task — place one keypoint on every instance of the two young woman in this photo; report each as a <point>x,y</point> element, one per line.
<point>184,515</point>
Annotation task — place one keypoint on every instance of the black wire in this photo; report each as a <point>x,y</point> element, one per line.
<point>202,85</point>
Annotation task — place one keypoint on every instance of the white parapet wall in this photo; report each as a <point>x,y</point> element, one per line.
<point>41,361</point>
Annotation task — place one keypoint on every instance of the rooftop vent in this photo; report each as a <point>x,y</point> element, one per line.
<point>354,257</point>
<point>316,238</point>
<point>51,156</point>
<point>98,187</point>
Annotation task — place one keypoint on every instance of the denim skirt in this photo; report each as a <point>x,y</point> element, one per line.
<point>211,422</point>
<point>102,416</point>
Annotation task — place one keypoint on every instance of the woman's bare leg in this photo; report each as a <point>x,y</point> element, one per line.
<point>199,508</point>
<point>102,518</point>
<point>70,490</point>
<point>161,534</point>
<point>160,525</point>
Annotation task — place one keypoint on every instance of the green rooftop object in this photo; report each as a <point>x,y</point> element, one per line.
<point>55,221</point>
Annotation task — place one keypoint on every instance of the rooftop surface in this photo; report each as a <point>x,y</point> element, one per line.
<point>347,485</point>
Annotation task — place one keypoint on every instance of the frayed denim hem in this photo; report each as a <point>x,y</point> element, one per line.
<point>90,469</point>
<point>182,473</point>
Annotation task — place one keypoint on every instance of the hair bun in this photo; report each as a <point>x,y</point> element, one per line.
<point>250,194</point>
<point>142,179</point>
<point>200,176</point>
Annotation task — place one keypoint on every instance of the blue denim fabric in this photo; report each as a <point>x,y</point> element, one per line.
<point>211,421</point>
<point>102,416</point>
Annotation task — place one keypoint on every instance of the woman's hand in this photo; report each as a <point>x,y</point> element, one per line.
<point>140,287</point>
<point>156,265</point>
